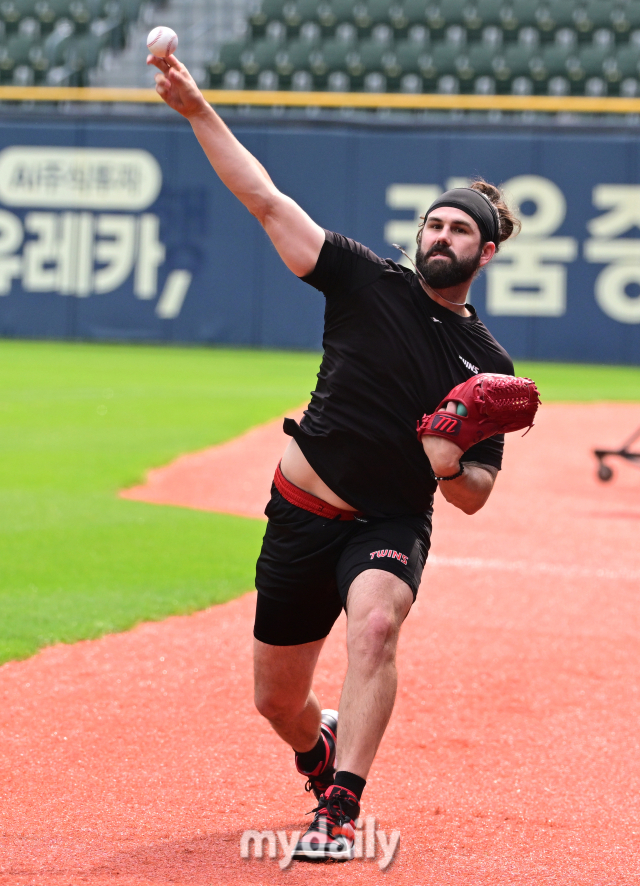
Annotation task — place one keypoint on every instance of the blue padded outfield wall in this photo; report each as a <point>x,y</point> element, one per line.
<point>114,230</point>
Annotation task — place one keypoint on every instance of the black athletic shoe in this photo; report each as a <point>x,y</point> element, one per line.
<point>322,776</point>
<point>332,834</point>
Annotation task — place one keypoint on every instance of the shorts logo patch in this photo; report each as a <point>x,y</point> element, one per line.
<point>393,554</point>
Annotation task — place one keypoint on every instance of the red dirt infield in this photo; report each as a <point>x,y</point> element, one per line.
<point>234,478</point>
<point>512,757</point>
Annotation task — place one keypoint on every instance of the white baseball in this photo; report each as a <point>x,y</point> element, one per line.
<point>162,42</point>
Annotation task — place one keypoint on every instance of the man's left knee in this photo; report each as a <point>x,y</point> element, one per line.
<point>375,635</point>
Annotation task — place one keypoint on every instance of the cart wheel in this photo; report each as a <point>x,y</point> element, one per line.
<point>604,472</point>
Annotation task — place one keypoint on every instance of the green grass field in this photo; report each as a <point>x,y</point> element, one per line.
<point>81,421</point>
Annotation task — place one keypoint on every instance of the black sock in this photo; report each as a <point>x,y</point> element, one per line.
<point>310,759</point>
<point>351,782</point>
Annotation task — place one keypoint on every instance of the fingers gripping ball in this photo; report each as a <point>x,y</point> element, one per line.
<point>482,406</point>
<point>162,42</point>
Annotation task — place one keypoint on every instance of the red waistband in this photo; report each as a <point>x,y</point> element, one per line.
<point>301,499</point>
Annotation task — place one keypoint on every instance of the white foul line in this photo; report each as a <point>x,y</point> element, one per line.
<point>566,571</point>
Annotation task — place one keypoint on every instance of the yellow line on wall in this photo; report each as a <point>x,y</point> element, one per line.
<point>259,98</point>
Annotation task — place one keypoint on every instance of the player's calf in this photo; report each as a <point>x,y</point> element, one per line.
<point>318,764</point>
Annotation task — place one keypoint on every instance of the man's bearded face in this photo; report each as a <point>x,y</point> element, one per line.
<point>442,273</point>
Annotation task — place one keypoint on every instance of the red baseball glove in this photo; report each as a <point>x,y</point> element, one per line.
<point>486,404</point>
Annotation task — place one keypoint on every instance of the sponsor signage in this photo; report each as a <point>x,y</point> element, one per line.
<point>79,178</point>
<point>123,231</point>
<point>84,230</point>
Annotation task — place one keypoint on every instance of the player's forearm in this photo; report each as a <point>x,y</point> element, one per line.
<point>237,168</point>
<point>470,491</point>
<point>294,234</point>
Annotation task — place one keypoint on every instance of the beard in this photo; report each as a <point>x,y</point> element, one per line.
<point>443,275</point>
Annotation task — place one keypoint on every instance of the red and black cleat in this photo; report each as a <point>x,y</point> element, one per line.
<point>331,836</point>
<point>322,776</point>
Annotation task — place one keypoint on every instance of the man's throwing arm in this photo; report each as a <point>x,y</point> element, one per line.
<point>296,237</point>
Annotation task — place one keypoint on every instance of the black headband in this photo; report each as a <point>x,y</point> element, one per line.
<point>475,204</point>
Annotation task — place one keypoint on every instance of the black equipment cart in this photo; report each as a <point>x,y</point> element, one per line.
<point>604,471</point>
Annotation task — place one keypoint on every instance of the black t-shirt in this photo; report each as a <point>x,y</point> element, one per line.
<point>391,354</point>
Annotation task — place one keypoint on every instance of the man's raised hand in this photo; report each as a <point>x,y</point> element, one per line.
<point>176,86</point>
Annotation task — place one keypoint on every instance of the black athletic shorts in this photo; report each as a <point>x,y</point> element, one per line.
<point>307,565</point>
